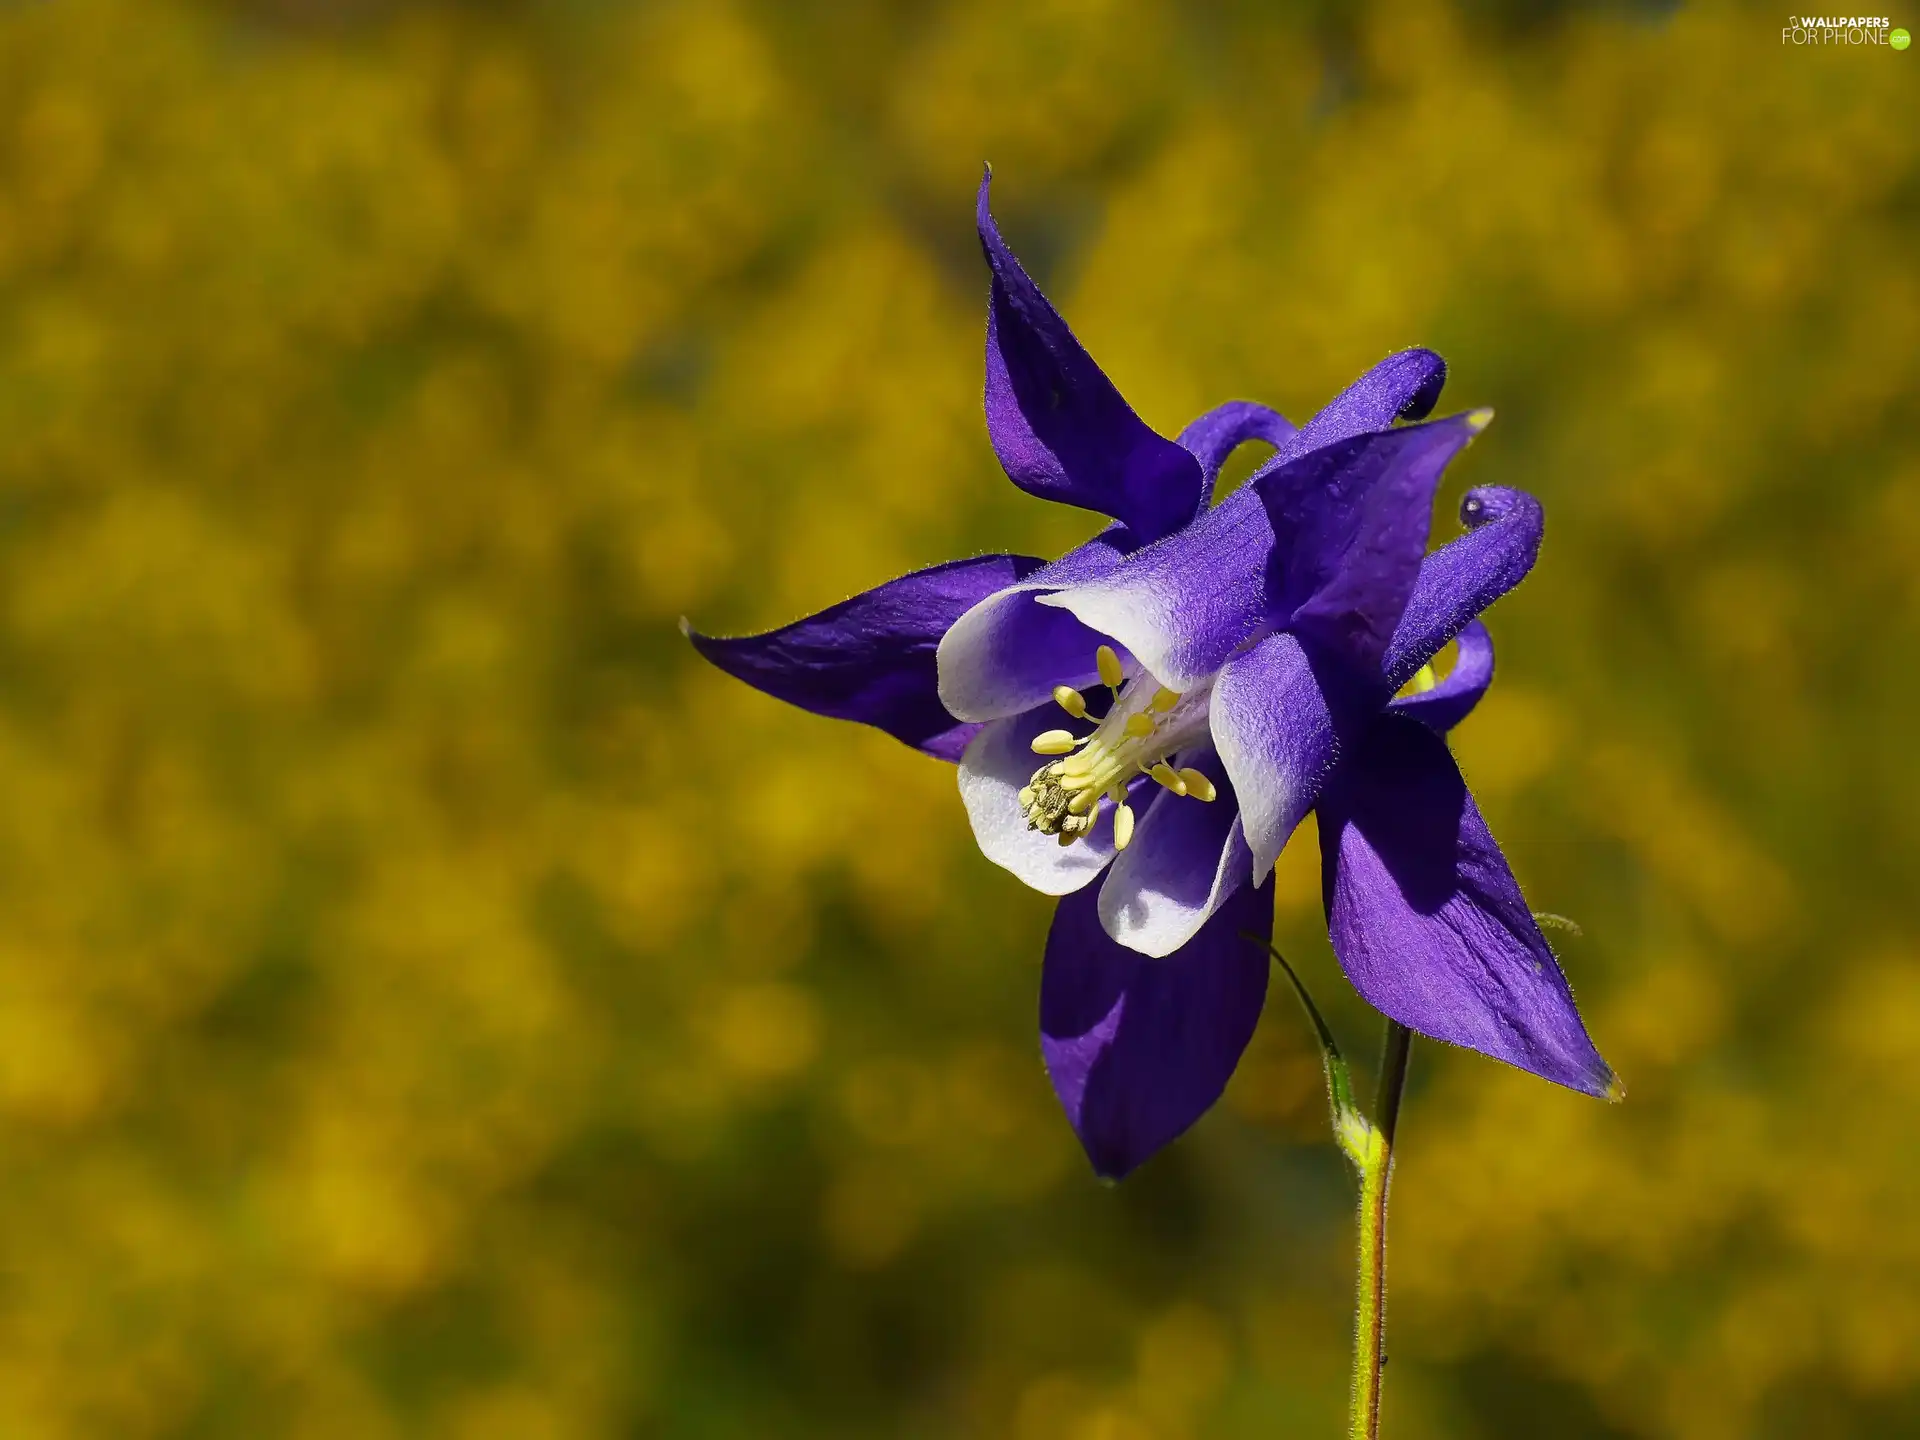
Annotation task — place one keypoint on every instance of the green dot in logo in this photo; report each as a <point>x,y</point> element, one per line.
<point>1899,39</point>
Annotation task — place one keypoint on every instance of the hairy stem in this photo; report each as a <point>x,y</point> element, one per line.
<point>1375,1164</point>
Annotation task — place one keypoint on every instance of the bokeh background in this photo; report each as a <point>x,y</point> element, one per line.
<point>432,1003</point>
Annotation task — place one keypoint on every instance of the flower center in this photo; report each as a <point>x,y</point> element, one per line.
<point>1144,725</point>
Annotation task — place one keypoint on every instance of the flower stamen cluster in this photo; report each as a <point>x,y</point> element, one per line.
<point>1145,724</point>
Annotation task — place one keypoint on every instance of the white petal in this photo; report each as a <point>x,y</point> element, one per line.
<point>998,763</point>
<point>1185,860</point>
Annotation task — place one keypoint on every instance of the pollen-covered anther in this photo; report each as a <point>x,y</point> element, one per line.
<point>1140,726</point>
<point>1169,777</point>
<point>1071,701</point>
<point>1164,700</point>
<point>1199,787</point>
<point>1054,742</point>
<point>1044,801</point>
<point>1108,661</point>
<point>1122,826</point>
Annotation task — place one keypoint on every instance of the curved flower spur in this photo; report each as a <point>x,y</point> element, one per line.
<point>1157,710</point>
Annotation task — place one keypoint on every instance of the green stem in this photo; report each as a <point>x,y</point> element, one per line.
<point>1374,1160</point>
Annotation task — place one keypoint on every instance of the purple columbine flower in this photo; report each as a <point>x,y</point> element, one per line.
<point>1141,724</point>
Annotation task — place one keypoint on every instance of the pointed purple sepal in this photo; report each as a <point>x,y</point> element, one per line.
<point>872,658</point>
<point>1060,428</point>
<point>1427,919</point>
<point>1138,1049</point>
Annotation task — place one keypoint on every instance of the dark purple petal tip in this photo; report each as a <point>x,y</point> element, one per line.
<point>1426,387</point>
<point>1427,919</point>
<point>1404,386</point>
<point>1488,503</point>
<point>1462,578</point>
<point>872,658</point>
<point>1061,430</point>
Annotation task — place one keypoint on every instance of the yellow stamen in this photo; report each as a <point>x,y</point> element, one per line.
<point>1122,827</point>
<point>1145,725</point>
<point>1169,777</point>
<point>1198,786</point>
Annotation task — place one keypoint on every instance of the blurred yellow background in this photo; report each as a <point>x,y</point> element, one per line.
<point>433,1003</point>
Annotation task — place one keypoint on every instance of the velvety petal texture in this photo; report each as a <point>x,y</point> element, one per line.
<point>1350,524</point>
<point>1427,919</point>
<point>1328,544</point>
<point>1404,386</point>
<point>1183,604</point>
<point>873,658</point>
<point>1060,428</point>
<point>1186,603</point>
<point>1453,699</point>
<point>1275,734</point>
<point>1138,1049</point>
<point>1459,580</point>
<point>1224,429</point>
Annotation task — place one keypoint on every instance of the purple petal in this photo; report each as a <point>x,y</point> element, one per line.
<point>1329,544</point>
<point>1350,523</point>
<point>1007,652</point>
<point>872,658</point>
<point>1224,429</point>
<point>1427,919</point>
<point>1275,733</point>
<point>1404,386</point>
<point>1061,430</point>
<point>1453,699</point>
<point>1185,603</point>
<point>999,762</point>
<point>1186,860</point>
<point>1182,605</point>
<point>1460,580</point>
<point>1138,1049</point>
